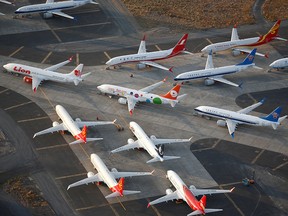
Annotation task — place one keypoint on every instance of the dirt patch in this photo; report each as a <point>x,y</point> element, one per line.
<point>275,9</point>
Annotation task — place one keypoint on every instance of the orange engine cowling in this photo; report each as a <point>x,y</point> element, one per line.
<point>27,79</point>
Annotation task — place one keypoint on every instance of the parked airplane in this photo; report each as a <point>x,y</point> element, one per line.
<point>109,178</point>
<point>147,58</point>
<point>37,75</point>
<point>51,8</point>
<point>154,146</point>
<point>188,195</point>
<point>72,126</point>
<point>213,74</point>
<point>280,63</point>
<point>132,96</point>
<point>232,118</point>
<point>238,45</point>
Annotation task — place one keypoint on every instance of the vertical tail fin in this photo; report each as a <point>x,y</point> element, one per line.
<point>273,32</point>
<point>77,71</point>
<point>249,59</point>
<point>203,201</point>
<point>274,115</point>
<point>84,133</point>
<point>234,35</point>
<point>173,93</point>
<point>180,46</point>
<point>142,46</point>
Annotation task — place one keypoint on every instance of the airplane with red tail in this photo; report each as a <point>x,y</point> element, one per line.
<point>145,58</point>
<point>188,195</point>
<point>72,126</point>
<point>109,178</point>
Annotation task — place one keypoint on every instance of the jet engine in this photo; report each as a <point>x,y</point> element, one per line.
<point>114,170</point>
<point>78,120</point>
<point>221,123</point>
<point>27,79</point>
<point>192,187</point>
<point>130,140</point>
<point>236,52</point>
<point>140,66</point>
<point>90,174</point>
<point>47,15</point>
<point>55,123</point>
<point>153,137</point>
<point>169,191</point>
<point>209,82</point>
<point>122,100</point>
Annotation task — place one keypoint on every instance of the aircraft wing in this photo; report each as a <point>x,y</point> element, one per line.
<point>133,145</point>
<point>252,107</point>
<point>36,82</point>
<point>198,192</point>
<point>59,127</point>
<point>61,64</point>
<point>245,50</point>
<point>6,2</point>
<point>153,86</point>
<point>169,141</point>
<point>59,13</point>
<point>118,175</point>
<point>131,104</point>
<point>222,80</point>
<point>153,64</point>
<point>92,179</point>
<point>93,123</point>
<point>166,198</point>
<point>231,126</point>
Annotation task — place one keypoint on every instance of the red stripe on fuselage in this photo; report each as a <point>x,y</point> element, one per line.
<point>192,201</point>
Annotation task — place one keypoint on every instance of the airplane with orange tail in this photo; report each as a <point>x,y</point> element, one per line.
<point>109,178</point>
<point>188,195</point>
<point>238,45</point>
<point>147,58</point>
<point>133,96</point>
<point>73,126</point>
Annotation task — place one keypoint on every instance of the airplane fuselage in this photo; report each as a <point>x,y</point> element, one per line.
<point>184,191</point>
<point>136,94</point>
<point>280,63</point>
<point>206,73</point>
<point>144,140</point>
<point>234,116</point>
<point>148,56</point>
<point>46,7</point>
<point>43,74</point>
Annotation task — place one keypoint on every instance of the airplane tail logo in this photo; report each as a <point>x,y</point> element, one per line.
<point>250,58</point>
<point>180,46</point>
<point>272,33</point>
<point>82,135</point>
<point>173,93</point>
<point>77,71</point>
<point>274,115</point>
<point>202,202</point>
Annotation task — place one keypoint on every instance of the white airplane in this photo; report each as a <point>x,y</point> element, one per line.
<point>109,178</point>
<point>147,58</point>
<point>213,74</point>
<point>238,45</point>
<point>73,126</point>
<point>188,195</point>
<point>280,63</point>
<point>232,118</point>
<point>37,75</point>
<point>154,146</point>
<point>133,96</point>
<point>51,8</point>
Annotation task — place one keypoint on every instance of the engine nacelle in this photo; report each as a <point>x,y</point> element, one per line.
<point>130,140</point>
<point>47,15</point>
<point>122,100</point>
<point>153,137</point>
<point>55,123</point>
<point>209,82</point>
<point>140,66</point>
<point>114,170</point>
<point>169,191</point>
<point>78,120</point>
<point>192,187</point>
<point>90,174</point>
<point>221,123</point>
<point>236,52</point>
<point>27,79</point>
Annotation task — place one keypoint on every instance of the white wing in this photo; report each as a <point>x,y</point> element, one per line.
<point>153,64</point>
<point>51,130</point>
<point>153,86</point>
<point>6,2</point>
<point>131,104</point>
<point>118,175</point>
<point>231,127</point>
<point>169,141</point>
<point>198,192</point>
<point>36,82</point>
<point>92,179</point>
<point>59,13</point>
<point>127,147</point>
<point>61,64</point>
<point>166,198</point>
<point>222,80</point>
<point>249,51</point>
<point>250,108</point>
<point>93,123</point>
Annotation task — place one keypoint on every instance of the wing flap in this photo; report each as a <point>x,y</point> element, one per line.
<point>50,130</point>
<point>92,179</point>
<point>59,13</point>
<point>127,147</point>
<point>165,198</point>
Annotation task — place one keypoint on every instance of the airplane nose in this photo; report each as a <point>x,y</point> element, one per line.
<point>108,62</point>
<point>99,88</point>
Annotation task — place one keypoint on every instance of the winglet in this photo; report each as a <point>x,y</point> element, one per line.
<point>114,121</point>
<point>232,189</point>
<point>232,135</point>
<point>165,79</point>
<point>131,112</point>
<point>71,58</point>
<point>263,100</point>
<point>170,69</point>
<point>266,55</point>
<point>148,205</point>
<point>34,89</point>
<point>152,172</point>
<point>235,25</point>
<point>240,85</point>
<point>144,38</point>
<point>190,138</point>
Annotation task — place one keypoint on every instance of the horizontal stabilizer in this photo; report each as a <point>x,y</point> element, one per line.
<point>279,38</point>
<point>156,159</point>
<point>181,97</point>
<point>87,140</point>
<point>125,192</point>
<point>198,212</point>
